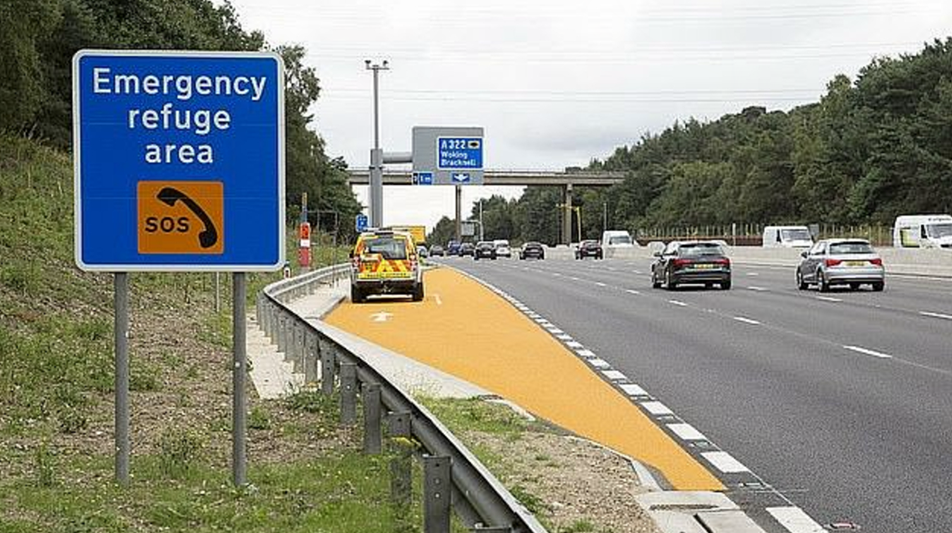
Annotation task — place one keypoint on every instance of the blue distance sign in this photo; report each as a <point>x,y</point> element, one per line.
<point>179,161</point>
<point>422,178</point>
<point>360,223</point>
<point>454,153</point>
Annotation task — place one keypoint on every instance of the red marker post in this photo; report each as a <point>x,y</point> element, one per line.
<point>304,252</point>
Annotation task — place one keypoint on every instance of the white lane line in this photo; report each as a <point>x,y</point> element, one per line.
<point>686,432</point>
<point>795,520</point>
<point>600,284</point>
<point>758,289</point>
<point>828,299</point>
<point>746,320</point>
<point>724,462</point>
<point>584,352</point>
<point>753,273</point>
<point>677,302</point>
<point>614,375</point>
<point>935,315</point>
<point>573,278</point>
<point>599,363</point>
<point>867,351</point>
<point>633,390</point>
<point>637,272</point>
<point>556,274</point>
<point>632,291</point>
<point>573,344</point>
<point>611,268</point>
<point>657,408</point>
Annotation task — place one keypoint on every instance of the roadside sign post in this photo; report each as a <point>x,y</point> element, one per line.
<point>179,167</point>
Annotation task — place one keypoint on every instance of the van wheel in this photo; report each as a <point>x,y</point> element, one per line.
<point>801,285</point>
<point>821,282</point>
<point>418,293</point>
<point>356,295</point>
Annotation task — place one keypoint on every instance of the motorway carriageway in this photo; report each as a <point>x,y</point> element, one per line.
<point>840,402</point>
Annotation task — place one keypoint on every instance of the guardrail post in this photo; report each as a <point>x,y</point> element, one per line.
<point>401,469</point>
<point>327,368</point>
<point>282,336</point>
<point>436,494</point>
<point>311,358</point>
<point>370,393</point>
<point>299,347</point>
<point>348,393</point>
<point>269,318</point>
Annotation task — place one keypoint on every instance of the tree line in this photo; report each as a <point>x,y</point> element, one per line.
<point>871,149</point>
<point>39,37</point>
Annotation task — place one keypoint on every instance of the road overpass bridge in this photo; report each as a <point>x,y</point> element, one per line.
<point>566,179</point>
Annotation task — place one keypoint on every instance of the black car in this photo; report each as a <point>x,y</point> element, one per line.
<point>532,249</point>
<point>589,249</point>
<point>485,249</point>
<point>436,251</point>
<point>701,262</point>
<point>466,248</point>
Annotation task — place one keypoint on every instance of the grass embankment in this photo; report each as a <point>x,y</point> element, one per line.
<point>56,390</point>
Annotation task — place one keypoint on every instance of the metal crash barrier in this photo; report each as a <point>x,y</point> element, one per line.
<point>452,475</point>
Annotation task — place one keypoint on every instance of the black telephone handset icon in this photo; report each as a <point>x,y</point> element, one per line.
<point>209,236</point>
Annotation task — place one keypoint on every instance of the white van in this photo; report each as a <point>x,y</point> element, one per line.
<point>787,237</point>
<point>617,239</point>
<point>923,231</point>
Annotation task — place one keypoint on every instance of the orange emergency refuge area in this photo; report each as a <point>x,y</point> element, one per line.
<point>465,330</point>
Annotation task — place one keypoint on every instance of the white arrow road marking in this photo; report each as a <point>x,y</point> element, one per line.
<point>746,320</point>
<point>677,302</point>
<point>935,315</point>
<point>795,520</point>
<point>382,316</point>
<point>828,299</point>
<point>867,351</point>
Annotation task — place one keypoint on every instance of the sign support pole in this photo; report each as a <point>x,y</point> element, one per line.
<point>121,288</point>
<point>459,210</point>
<point>239,375</point>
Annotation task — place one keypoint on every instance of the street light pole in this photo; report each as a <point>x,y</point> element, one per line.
<point>482,235</point>
<point>376,154</point>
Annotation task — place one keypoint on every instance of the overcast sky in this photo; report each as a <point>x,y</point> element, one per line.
<point>555,84</point>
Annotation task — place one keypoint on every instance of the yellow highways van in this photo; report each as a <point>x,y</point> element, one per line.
<point>385,262</point>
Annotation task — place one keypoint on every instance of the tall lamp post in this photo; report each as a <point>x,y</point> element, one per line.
<point>376,154</point>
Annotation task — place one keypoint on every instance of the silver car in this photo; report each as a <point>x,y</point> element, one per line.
<point>850,262</point>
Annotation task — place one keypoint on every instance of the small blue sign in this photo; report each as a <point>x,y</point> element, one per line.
<point>179,161</point>
<point>423,178</point>
<point>459,153</point>
<point>460,177</point>
<point>360,223</point>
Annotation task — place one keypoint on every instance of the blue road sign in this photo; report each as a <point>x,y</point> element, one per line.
<point>423,178</point>
<point>360,223</point>
<point>460,177</point>
<point>178,161</point>
<point>459,153</point>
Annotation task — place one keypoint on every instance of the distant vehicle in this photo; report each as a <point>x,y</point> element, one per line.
<point>533,250</point>
<point>422,251</point>
<point>385,262</point>
<point>588,248</point>
<point>923,231</point>
<point>691,262</point>
<point>502,248</point>
<point>467,248</point>
<point>787,237</point>
<point>436,251</point>
<point>452,248</point>
<point>615,239</point>
<point>850,262</point>
<point>485,250</point>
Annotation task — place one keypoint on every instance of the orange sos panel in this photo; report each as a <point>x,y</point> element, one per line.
<point>181,217</point>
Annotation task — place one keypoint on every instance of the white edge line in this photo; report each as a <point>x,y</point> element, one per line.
<point>935,315</point>
<point>725,462</point>
<point>795,520</point>
<point>686,431</point>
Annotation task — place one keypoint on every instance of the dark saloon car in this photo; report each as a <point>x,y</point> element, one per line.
<point>467,248</point>
<point>485,250</point>
<point>532,250</point>
<point>702,262</point>
<point>452,248</point>
<point>589,249</point>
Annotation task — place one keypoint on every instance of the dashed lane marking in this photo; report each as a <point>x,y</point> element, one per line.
<point>829,299</point>
<point>746,320</point>
<point>795,520</point>
<point>677,302</point>
<point>758,289</point>
<point>867,351</point>
<point>935,315</point>
<point>632,291</point>
<point>724,462</point>
<point>753,273</point>
<point>686,431</point>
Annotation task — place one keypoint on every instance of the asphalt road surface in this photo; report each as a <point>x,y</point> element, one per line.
<point>840,401</point>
